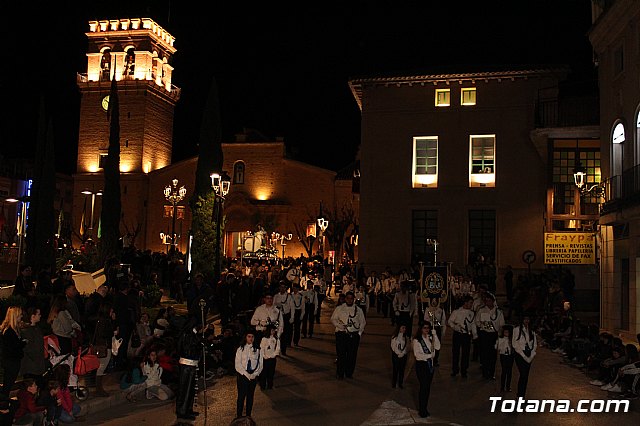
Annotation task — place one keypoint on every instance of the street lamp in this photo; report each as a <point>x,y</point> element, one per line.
<point>433,242</point>
<point>174,195</point>
<point>93,203</point>
<point>23,225</point>
<point>221,185</point>
<point>322,224</point>
<point>580,179</point>
<point>284,238</point>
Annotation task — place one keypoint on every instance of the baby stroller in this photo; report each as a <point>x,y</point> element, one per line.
<point>80,390</point>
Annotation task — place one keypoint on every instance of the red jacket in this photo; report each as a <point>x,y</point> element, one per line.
<point>27,404</point>
<point>64,395</point>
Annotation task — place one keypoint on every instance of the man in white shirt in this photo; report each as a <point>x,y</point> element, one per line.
<point>310,309</point>
<point>404,307</point>
<point>461,321</point>
<point>372,282</point>
<point>267,314</point>
<point>489,321</point>
<point>283,301</point>
<point>349,322</point>
<point>382,293</point>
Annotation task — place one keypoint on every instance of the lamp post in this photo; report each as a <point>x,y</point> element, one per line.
<point>23,224</point>
<point>174,195</point>
<point>433,242</point>
<point>221,185</point>
<point>93,203</point>
<point>284,238</point>
<point>322,224</point>
<point>580,179</point>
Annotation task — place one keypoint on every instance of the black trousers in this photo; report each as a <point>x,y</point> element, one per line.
<point>347,351</point>
<point>461,343</point>
<point>11,368</point>
<point>321,298</point>
<point>186,389</point>
<point>488,353</point>
<point>287,330</point>
<point>523,370</point>
<point>308,319</point>
<point>268,372</point>
<point>246,389</point>
<point>297,322</point>
<point>475,356</point>
<point>506,365</point>
<point>425,376</point>
<point>383,304</point>
<point>398,369</point>
<point>405,319</point>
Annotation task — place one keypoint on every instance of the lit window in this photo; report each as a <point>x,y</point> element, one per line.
<point>618,133</point>
<point>482,161</point>
<point>102,161</point>
<point>468,96</point>
<point>425,162</point>
<point>443,97</point>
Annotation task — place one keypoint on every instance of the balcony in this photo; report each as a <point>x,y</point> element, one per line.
<point>622,191</point>
<point>126,81</point>
<point>568,112</point>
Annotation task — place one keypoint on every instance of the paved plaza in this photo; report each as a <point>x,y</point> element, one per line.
<point>307,392</point>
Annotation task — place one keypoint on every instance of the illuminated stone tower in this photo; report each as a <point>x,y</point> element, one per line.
<point>137,53</point>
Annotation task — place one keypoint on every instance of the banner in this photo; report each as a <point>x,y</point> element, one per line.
<point>435,283</point>
<point>569,248</point>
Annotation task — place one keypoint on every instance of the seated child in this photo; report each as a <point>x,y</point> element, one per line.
<point>28,412</point>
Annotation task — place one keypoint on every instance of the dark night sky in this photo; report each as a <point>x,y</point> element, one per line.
<point>280,70</point>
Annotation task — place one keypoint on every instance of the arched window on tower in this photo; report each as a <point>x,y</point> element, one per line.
<point>638,135</point>
<point>238,172</point>
<point>130,62</point>
<point>105,64</point>
<point>617,148</point>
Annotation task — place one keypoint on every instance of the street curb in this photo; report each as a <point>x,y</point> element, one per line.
<point>98,404</point>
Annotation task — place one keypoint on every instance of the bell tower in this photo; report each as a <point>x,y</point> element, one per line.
<point>137,53</point>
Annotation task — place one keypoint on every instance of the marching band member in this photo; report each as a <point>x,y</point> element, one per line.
<point>270,347</point>
<point>267,314</point>
<point>311,307</point>
<point>297,299</point>
<point>425,344</point>
<point>505,350</point>
<point>524,344</point>
<point>249,365</point>
<point>347,286</point>
<point>320,287</point>
<point>489,319</point>
<point>189,350</point>
<point>283,301</point>
<point>478,303</point>
<point>349,322</point>
<point>362,300</point>
<point>382,291</point>
<point>461,321</point>
<point>399,351</point>
<point>372,282</point>
<point>404,307</point>
<point>436,316</point>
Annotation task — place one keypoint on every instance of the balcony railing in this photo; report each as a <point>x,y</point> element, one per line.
<point>567,112</point>
<point>103,82</point>
<point>622,190</point>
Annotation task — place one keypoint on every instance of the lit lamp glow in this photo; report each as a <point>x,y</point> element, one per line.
<point>174,195</point>
<point>221,183</point>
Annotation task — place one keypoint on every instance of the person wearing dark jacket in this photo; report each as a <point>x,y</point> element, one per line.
<point>28,412</point>
<point>189,351</point>
<point>12,347</point>
<point>23,285</point>
<point>33,362</point>
<point>124,318</point>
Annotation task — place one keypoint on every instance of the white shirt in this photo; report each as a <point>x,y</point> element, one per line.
<point>283,302</point>
<point>432,345</point>
<point>297,301</point>
<point>346,288</point>
<point>270,347</point>
<point>153,373</point>
<point>461,320</point>
<point>362,300</point>
<point>503,345</point>
<point>520,340</point>
<point>438,315</point>
<point>372,282</point>
<point>484,316</point>
<point>349,319</point>
<point>248,355</point>
<point>265,315</point>
<point>399,345</point>
<point>311,297</point>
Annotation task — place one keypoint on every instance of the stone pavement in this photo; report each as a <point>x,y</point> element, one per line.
<point>307,392</point>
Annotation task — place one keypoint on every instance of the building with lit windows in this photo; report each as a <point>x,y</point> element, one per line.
<point>268,188</point>
<point>480,162</point>
<point>615,37</point>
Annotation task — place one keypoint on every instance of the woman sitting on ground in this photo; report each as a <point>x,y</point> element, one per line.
<point>153,371</point>
<point>133,381</point>
<point>70,410</point>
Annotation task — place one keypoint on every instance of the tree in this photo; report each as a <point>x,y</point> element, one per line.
<point>340,222</point>
<point>204,248</point>
<point>41,222</point>
<point>110,215</point>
